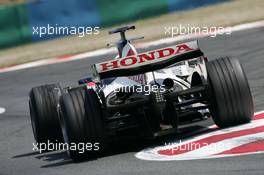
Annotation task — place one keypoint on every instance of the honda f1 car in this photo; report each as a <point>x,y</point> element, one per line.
<point>141,95</point>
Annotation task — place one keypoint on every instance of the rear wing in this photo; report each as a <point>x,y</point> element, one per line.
<point>148,61</point>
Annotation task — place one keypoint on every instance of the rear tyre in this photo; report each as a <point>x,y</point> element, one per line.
<point>43,101</point>
<point>231,101</point>
<point>82,123</point>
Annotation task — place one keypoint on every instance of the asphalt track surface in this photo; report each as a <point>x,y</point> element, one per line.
<point>17,157</point>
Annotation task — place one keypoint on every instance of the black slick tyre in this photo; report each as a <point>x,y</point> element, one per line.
<point>230,99</point>
<point>82,123</point>
<point>43,101</point>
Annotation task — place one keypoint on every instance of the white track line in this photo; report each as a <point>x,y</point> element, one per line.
<point>2,110</point>
<point>104,51</point>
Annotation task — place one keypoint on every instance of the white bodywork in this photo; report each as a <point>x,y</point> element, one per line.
<point>180,72</point>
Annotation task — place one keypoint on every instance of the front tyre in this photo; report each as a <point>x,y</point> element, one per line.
<point>82,123</point>
<point>231,101</point>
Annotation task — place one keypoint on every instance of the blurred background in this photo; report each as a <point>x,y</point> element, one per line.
<point>18,44</point>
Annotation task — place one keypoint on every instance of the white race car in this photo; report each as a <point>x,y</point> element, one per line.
<point>141,95</point>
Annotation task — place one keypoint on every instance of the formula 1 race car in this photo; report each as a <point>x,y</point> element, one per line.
<point>141,95</point>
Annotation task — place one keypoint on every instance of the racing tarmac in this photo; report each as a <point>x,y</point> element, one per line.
<point>17,157</point>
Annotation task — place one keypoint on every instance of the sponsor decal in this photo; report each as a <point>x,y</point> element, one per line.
<point>147,58</point>
<point>138,78</point>
<point>213,143</point>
